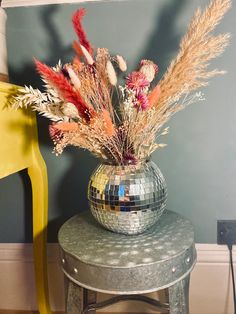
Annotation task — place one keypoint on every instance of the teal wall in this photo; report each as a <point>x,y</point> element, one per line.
<point>199,163</point>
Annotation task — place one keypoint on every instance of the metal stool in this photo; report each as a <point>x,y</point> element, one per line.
<point>96,260</point>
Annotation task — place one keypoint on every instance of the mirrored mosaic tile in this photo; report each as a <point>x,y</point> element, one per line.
<point>127,199</point>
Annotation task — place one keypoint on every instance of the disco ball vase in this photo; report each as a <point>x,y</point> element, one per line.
<point>127,199</point>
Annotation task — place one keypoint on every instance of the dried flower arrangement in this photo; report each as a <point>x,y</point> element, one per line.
<point>78,96</point>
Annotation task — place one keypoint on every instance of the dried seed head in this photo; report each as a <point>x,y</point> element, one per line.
<point>74,78</point>
<point>70,110</point>
<point>121,63</point>
<point>161,145</point>
<point>149,72</point>
<point>87,55</point>
<point>111,73</point>
<point>149,69</point>
<point>165,131</point>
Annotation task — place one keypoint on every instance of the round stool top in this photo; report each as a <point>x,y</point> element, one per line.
<point>110,262</point>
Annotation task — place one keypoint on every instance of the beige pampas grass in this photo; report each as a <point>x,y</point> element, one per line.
<point>129,130</point>
<point>190,68</point>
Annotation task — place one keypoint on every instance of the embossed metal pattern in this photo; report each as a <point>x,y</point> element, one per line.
<point>120,264</point>
<point>127,199</point>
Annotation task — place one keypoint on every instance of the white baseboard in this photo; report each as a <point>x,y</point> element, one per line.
<point>210,289</point>
<point>27,3</point>
<point>17,287</point>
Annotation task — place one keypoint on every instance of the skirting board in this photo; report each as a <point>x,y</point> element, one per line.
<point>27,3</point>
<point>210,288</point>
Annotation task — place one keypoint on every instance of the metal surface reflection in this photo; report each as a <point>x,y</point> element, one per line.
<point>127,199</point>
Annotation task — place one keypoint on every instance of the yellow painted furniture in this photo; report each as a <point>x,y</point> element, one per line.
<point>19,150</point>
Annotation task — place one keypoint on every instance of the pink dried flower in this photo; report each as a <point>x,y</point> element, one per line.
<point>55,134</point>
<point>141,102</point>
<point>136,81</point>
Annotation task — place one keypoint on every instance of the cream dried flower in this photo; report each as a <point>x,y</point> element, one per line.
<point>87,55</point>
<point>74,78</point>
<point>111,73</point>
<point>149,69</point>
<point>70,110</point>
<point>121,63</point>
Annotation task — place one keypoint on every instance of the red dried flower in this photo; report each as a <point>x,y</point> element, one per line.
<point>136,81</point>
<point>65,89</point>
<point>76,19</point>
<point>129,159</point>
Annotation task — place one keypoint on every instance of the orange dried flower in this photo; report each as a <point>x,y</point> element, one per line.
<point>67,126</point>
<point>154,96</point>
<point>77,64</point>
<point>77,48</point>
<point>108,125</point>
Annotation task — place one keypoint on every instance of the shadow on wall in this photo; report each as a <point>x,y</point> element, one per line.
<point>72,189</point>
<point>164,41</point>
<point>56,51</point>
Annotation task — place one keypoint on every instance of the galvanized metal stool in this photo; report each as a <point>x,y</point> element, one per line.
<point>96,260</point>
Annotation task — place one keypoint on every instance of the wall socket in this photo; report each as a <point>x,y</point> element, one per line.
<point>226,232</point>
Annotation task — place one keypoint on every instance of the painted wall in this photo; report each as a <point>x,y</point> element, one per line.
<point>199,163</point>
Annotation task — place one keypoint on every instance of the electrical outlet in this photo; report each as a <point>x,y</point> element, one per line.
<point>226,232</point>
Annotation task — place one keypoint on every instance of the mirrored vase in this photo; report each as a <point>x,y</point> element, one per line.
<point>127,199</point>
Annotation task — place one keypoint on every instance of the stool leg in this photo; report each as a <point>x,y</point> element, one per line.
<point>179,297</point>
<point>73,297</point>
<point>90,298</point>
